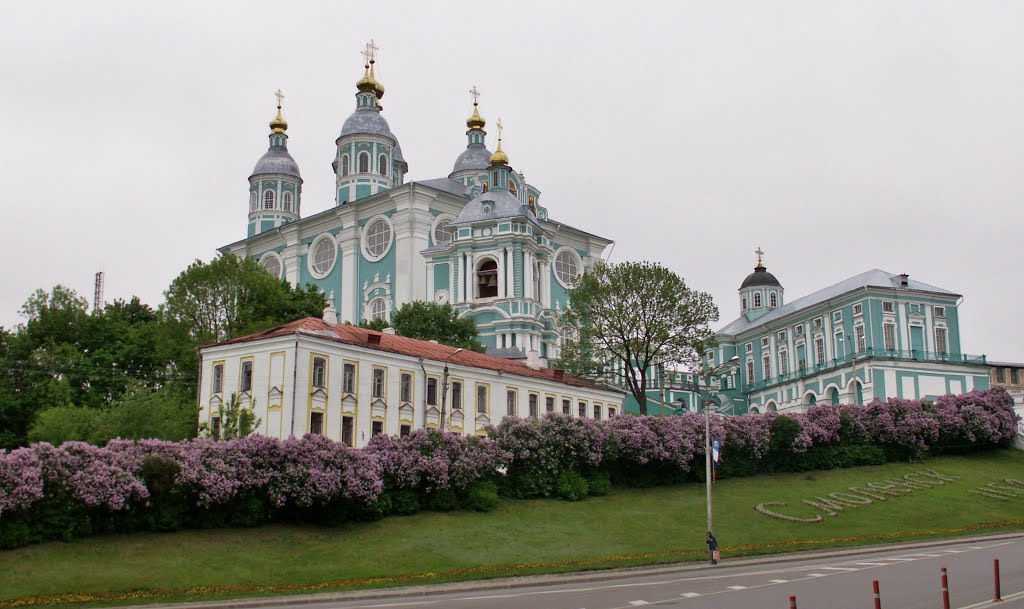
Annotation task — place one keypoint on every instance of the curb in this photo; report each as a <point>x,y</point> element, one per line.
<point>509,583</point>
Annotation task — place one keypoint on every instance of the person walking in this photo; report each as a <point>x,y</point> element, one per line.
<point>713,548</point>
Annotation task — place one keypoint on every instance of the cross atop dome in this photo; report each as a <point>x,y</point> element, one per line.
<point>476,95</point>
<point>760,254</point>
<point>370,51</point>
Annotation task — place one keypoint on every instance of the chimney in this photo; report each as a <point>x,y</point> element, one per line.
<point>373,338</point>
<point>389,330</point>
<point>331,315</point>
<point>533,360</point>
<point>904,280</point>
<point>559,374</point>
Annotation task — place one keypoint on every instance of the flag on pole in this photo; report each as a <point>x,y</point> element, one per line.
<point>716,454</point>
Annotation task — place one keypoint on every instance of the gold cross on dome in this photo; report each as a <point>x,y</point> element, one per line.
<point>500,127</point>
<point>759,253</point>
<point>476,94</point>
<point>370,52</point>
<point>279,97</point>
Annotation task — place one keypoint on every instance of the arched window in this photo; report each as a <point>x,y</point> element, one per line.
<point>344,165</point>
<point>253,200</point>
<point>512,189</point>
<point>443,232</point>
<point>382,164</point>
<point>364,163</point>
<point>487,279</point>
<point>287,201</point>
<point>566,268</point>
<point>272,263</point>
<point>757,299</point>
<point>494,177</point>
<point>268,199</point>
<point>378,308</point>
<point>773,300</point>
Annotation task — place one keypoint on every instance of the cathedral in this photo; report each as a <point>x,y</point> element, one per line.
<point>478,238</point>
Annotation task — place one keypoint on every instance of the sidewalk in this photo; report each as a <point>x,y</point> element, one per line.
<point>576,577</point>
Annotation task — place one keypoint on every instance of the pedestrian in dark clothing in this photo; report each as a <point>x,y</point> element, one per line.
<point>713,548</point>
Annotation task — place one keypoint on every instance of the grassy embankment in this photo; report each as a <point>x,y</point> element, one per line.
<point>630,527</point>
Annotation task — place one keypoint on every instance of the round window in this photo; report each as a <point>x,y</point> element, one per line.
<point>566,267</point>
<point>324,253</point>
<point>378,238</point>
<point>272,263</point>
<point>443,232</point>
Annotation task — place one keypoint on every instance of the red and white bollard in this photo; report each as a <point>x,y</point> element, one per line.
<point>995,567</point>
<point>945,589</point>
<point>878,597</point>
<point>792,602</point>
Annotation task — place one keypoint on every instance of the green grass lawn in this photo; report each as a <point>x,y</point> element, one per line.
<point>630,527</point>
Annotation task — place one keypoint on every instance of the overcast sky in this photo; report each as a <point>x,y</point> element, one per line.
<point>838,136</point>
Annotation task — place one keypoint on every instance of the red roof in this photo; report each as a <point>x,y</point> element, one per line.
<point>362,337</point>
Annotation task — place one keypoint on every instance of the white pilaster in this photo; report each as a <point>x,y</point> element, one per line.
<point>501,273</point>
<point>348,241</point>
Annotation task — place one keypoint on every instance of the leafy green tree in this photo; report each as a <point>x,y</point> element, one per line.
<point>235,421</point>
<point>233,296</point>
<point>60,424</point>
<point>635,314</point>
<point>433,321</point>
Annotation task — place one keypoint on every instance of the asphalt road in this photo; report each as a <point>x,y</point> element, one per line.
<point>908,579</point>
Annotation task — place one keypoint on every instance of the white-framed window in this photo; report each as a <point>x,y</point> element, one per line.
<point>376,428</point>
<point>782,336</point>
<point>431,392</point>
<point>817,322</point>
<point>245,378</point>
<point>566,406</point>
<point>364,162</point>
<point>940,311</point>
<point>348,378</point>
<point>837,316</point>
<point>858,309</point>
<point>567,267</point>
<point>764,342</point>
<point>272,262</point>
<point>481,399</point>
<point>286,201</point>
<point>783,362</point>
<point>888,306</point>
<point>534,413</point>
<point>443,231</point>
<point>773,299</point>
<point>743,302</point>
<point>511,402</point>
<point>217,386</point>
<point>268,199</point>
<point>253,201</point>
<point>316,423</point>
<point>889,336</point>
<point>319,372</point>
<point>582,410</point>
<point>549,404</point>
<point>382,164</point>
<point>750,371</point>
<point>748,348</point>
<point>858,332</point>
<point>379,308</point>
<point>766,367</point>
<point>941,346</point>
<point>819,350</point>
<point>377,238</point>
<point>611,412</point>
<point>348,431</point>
<point>798,330</point>
<point>757,299</point>
<point>344,165</point>
<point>405,387</point>
<point>379,383</point>
<point>323,253</point>
<point>597,412</point>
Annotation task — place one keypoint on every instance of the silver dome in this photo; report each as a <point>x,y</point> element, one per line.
<point>501,204</point>
<point>475,157</point>
<point>277,160</point>
<point>367,121</point>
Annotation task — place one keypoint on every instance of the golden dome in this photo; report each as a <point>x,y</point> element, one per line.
<point>476,121</point>
<point>278,125</point>
<point>367,83</point>
<point>499,157</point>
<point>378,89</point>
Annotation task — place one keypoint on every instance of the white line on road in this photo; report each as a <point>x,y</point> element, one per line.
<point>637,603</point>
<point>779,581</point>
<point>872,564</point>
<point>737,587</point>
<point>840,568</point>
<point>690,594</point>
<point>817,575</point>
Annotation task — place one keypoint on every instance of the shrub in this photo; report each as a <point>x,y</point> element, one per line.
<point>572,486</point>
<point>443,501</point>
<point>482,496</point>
<point>600,484</point>
<point>402,502</point>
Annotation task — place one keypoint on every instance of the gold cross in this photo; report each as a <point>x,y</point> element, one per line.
<point>279,97</point>
<point>370,52</point>
<point>500,127</point>
<point>476,94</point>
<point>759,253</point>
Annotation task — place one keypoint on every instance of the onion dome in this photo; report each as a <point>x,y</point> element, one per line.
<point>366,84</point>
<point>378,88</point>
<point>499,157</point>
<point>760,277</point>
<point>476,121</point>
<point>278,125</point>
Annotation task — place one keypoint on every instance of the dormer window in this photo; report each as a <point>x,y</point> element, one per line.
<point>773,300</point>
<point>757,300</point>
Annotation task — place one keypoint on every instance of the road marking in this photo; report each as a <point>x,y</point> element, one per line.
<point>737,587</point>
<point>817,575</point>
<point>636,603</point>
<point>872,564</point>
<point>690,594</point>
<point>925,555</point>
<point>840,568</point>
<point>901,559</point>
<point>779,581</point>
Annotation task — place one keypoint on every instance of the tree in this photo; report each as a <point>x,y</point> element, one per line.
<point>235,421</point>
<point>232,296</point>
<point>634,315</point>
<point>432,321</point>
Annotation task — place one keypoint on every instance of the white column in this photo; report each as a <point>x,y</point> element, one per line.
<point>348,288</point>
<point>453,289</point>
<point>527,275</point>
<point>546,281</point>
<point>501,273</point>
<point>430,283</point>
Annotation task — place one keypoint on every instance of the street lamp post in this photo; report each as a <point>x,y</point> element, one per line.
<point>706,404</point>
<point>444,385</point>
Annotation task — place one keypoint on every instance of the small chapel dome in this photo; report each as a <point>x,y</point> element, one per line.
<point>493,205</point>
<point>476,121</point>
<point>760,277</point>
<point>475,157</point>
